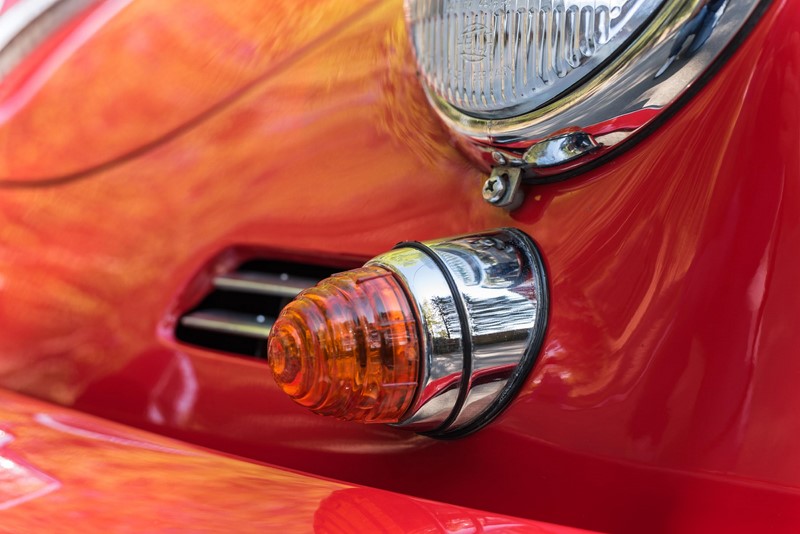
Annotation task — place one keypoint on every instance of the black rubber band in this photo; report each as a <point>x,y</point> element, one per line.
<point>531,355</point>
<point>466,336</point>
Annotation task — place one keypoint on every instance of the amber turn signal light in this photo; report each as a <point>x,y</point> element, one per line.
<point>435,337</point>
<point>348,347</point>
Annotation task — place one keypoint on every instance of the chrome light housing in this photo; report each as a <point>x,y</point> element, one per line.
<point>543,87</point>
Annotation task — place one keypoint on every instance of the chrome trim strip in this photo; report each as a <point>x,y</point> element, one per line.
<point>227,322</point>
<point>27,23</point>
<point>263,283</point>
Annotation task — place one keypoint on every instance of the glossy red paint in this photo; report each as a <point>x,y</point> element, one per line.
<point>66,471</point>
<point>665,398</point>
<point>215,52</point>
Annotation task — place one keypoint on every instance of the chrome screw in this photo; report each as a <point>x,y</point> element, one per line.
<point>495,188</point>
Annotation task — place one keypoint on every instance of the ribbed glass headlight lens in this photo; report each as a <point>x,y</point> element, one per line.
<point>500,58</point>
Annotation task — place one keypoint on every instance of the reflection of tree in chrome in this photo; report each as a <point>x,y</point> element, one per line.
<point>442,318</point>
<point>694,33</point>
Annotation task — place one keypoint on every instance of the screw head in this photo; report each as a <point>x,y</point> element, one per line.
<point>494,189</point>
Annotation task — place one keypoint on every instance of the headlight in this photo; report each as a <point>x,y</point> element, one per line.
<point>500,59</point>
<point>545,86</point>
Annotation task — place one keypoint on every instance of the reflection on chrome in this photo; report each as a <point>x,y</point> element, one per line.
<point>441,348</point>
<point>27,23</point>
<point>475,58</point>
<point>694,33</point>
<point>481,301</point>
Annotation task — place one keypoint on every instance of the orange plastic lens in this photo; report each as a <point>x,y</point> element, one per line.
<point>348,347</point>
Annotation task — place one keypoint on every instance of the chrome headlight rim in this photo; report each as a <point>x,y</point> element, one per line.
<point>592,107</point>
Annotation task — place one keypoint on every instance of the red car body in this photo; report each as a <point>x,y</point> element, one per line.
<point>144,139</point>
